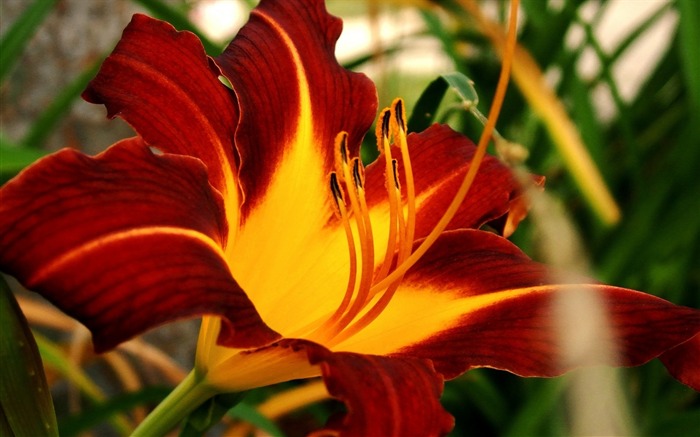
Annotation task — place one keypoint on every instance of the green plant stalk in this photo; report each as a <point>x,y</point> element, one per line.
<point>185,398</point>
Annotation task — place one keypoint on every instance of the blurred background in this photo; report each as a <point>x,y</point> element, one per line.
<point>617,82</point>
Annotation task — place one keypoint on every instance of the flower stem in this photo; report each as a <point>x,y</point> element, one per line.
<point>185,398</point>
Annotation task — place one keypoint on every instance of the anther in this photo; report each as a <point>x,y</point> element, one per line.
<point>344,146</point>
<point>395,171</point>
<point>386,124</point>
<point>398,112</point>
<point>337,192</point>
<point>341,154</point>
<point>358,173</point>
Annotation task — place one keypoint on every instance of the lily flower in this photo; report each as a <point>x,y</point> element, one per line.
<point>249,205</point>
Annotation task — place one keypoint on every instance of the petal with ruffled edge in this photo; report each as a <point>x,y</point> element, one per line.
<point>440,158</point>
<point>475,300</point>
<point>383,396</point>
<point>294,98</point>
<point>164,85</point>
<point>682,362</point>
<point>124,242</point>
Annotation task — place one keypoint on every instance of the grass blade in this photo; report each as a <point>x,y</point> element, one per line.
<point>14,41</point>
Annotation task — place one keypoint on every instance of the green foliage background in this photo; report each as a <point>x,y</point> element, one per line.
<point>648,153</point>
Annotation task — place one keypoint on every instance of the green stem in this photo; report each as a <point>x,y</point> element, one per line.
<point>185,398</point>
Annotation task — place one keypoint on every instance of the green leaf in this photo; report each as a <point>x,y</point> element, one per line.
<point>15,158</point>
<point>542,400</point>
<point>425,109</point>
<point>102,412</point>
<point>209,414</point>
<point>16,38</point>
<point>24,394</point>
<point>56,358</point>
<point>251,415</point>
<point>58,109</point>
<point>689,12</point>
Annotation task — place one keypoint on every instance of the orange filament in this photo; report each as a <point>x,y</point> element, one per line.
<point>399,252</point>
<point>356,193</point>
<point>343,215</point>
<point>398,128</point>
<point>392,186</point>
<point>367,248</point>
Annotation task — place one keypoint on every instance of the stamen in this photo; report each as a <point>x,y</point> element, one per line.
<point>358,173</point>
<point>342,211</point>
<point>356,292</point>
<point>393,190</point>
<point>337,194</point>
<point>398,126</point>
<point>366,248</point>
<point>323,323</point>
<point>341,154</point>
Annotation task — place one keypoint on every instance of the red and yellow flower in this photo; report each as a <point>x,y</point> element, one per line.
<point>251,207</point>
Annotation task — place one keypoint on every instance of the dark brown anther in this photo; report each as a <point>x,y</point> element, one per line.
<point>357,172</point>
<point>398,110</point>
<point>336,190</point>
<point>386,124</point>
<point>395,170</point>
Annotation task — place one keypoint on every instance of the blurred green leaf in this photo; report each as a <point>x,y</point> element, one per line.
<point>53,356</point>
<point>25,399</point>
<point>58,109</point>
<point>537,409</point>
<point>103,411</point>
<point>14,158</point>
<point>689,12</point>
<point>209,414</point>
<point>17,37</point>
<point>249,414</point>
<point>425,109</point>
<point>482,392</point>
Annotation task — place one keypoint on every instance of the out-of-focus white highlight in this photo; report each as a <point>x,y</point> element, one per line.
<point>219,19</point>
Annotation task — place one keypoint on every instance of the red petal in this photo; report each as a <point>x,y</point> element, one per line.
<point>163,84</point>
<point>683,362</point>
<point>294,96</point>
<point>440,158</point>
<point>517,331</point>
<point>383,396</point>
<point>123,242</point>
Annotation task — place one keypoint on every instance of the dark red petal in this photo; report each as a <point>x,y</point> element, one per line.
<point>383,396</point>
<point>163,84</point>
<point>440,158</point>
<point>124,242</point>
<point>683,362</point>
<point>517,331</point>
<point>294,96</point>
